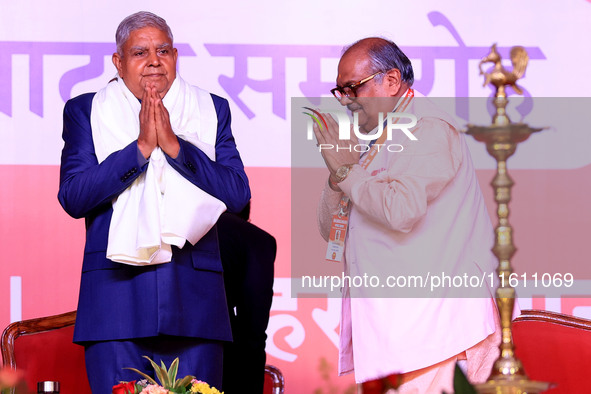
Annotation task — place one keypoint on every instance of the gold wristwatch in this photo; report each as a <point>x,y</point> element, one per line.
<point>342,172</point>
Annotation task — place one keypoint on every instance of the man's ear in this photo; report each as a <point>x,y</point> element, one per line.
<point>117,62</point>
<point>393,82</point>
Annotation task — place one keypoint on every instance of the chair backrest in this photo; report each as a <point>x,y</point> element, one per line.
<point>42,348</point>
<point>274,382</point>
<point>555,348</point>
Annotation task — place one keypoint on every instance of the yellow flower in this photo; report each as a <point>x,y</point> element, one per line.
<point>203,388</point>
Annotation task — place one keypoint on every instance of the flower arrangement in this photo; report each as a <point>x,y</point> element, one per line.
<point>168,382</point>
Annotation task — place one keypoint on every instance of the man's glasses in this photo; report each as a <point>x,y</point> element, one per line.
<point>351,90</point>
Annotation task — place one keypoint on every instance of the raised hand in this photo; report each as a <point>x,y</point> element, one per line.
<point>328,142</point>
<point>167,140</point>
<point>148,139</point>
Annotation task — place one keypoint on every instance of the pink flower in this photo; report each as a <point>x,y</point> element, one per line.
<point>154,389</point>
<point>9,377</point>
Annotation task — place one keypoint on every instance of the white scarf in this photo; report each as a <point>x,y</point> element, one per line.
<point>160,208</point>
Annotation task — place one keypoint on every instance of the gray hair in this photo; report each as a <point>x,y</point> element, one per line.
<point>136,21</point>
<point>384,55</point>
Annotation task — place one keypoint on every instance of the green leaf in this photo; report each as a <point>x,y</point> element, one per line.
<point>160,373</point>
<point>149,378</point>
<point>184,382</point>
<point>172,371</point>
<point>167,377</point>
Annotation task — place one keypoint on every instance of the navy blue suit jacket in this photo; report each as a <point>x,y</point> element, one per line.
<point>184,297</point>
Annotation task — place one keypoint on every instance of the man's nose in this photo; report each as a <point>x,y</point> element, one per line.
<point>153,59</point>
<point>346,100</point>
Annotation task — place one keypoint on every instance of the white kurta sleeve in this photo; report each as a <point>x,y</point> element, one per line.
<point>398,196</point>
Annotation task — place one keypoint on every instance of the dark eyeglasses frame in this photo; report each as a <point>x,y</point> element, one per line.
<point>351,87</point>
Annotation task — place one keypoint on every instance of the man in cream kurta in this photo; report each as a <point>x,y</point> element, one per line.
<point>416,211</point>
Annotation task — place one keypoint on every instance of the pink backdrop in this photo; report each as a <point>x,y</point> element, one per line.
<point>259,60</point>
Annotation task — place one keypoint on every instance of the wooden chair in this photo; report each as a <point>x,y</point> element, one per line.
<point>42,348</point>
<point>274,383</point>
<point>44,351</point>
<point>555,348</point>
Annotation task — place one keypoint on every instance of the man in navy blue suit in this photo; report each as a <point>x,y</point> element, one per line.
<point>128,151</point>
